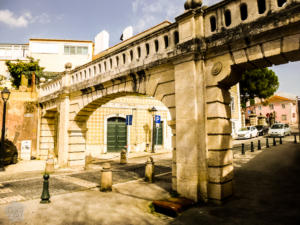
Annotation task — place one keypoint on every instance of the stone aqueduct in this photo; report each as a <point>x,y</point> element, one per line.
<point>189,65</point>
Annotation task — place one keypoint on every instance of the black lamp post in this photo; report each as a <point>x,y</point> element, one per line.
<point>153,110</point>
<point>5,96</point>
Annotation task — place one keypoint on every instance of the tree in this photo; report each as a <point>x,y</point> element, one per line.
<point>26,68</point>
<point>260,83</point>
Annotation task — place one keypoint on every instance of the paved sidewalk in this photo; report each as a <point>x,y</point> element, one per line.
<point>127,204</point>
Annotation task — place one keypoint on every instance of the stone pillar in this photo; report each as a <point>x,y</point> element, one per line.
<point>172,124</point>
<point>219,143</point>
<point>253,119</point>
<point>262,120</point>
<point>191,161</point>
<point>63,126</point>
<point>243,119</point>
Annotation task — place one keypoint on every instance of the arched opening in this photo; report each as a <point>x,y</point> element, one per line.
<point>213,24</point>
<point>131,55</point>
<point>111,63</point>
<point>280,3</point>
<point>117,59</point>
<point>105,68</point>
<point>261,4</point>
<point>124,58</point>
<point>139,52</point>
<point>166,40</point>
<point>147,49</point>
<point>244,11</point>
<point>99,67</point>
<point>227,16</point>
<point>176,37</point>
<point>156,45</point>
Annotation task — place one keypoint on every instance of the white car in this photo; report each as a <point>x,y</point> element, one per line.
<point>279,130</point>
<point>247,132</point>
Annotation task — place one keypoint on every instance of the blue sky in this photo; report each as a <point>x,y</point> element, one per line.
<point>82,20</point>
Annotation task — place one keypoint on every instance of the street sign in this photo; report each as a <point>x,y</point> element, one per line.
<point>26,149</point>
<point>128,120</point>
<point>157,119</point>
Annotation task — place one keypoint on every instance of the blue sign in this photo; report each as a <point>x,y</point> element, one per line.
<point>157,119</point>
<point>128,120</point>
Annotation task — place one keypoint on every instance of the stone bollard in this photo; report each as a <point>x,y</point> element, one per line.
<point>106,178</point>
<point>295,139</point>
<point>149,170</point>
<point>45,198</point>
<point>280,140</point>
<point>267,143</point>
<point>252,146</point>
<point>274,141</point>
<point>123,157</point>
<point>258,145</point>
<point>243,149</point>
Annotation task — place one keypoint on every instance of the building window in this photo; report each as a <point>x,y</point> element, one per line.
<point>166,39</point>
<point>232,104</point>
<point>95,70</point>
<point>283,117</point>
<point>156,45</point>
<point>271,106</point>
<point>261,4</point>
<point>111,63</point>
<point>124,58</point>
<point>159,132</point>
<point>227,18</point>
<point>131,55</point>
<point>75,50</point>
<point>99,65</point>
<point>213,23</point>
<point>117,59</point>
<point>244,11</point>
<point>105,66</point>
<point>139,52</point>
<point>176,37</point>
<point>280,3</point>
<point>283,106</point>
<point>147,49</point>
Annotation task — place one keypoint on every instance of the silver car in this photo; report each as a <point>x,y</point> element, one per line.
<point>279,130</point>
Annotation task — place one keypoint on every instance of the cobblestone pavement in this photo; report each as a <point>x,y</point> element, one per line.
<point>27,186</point>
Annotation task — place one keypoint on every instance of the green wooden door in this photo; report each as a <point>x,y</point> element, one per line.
<point>116,134</point>
<point>159,132</point>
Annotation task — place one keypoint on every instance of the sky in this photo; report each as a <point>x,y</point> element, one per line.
<point>21,20</point>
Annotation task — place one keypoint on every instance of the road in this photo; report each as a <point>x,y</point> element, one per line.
<point>27,186</point>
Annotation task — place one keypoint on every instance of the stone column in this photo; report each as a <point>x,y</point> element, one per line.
<point>191,161</point>
<point>262,120</point>
<point>63,126</point>
<point>172,124</point>
<point>253,119</point>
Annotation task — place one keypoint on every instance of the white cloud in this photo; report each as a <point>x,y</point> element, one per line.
<point>7,17</point>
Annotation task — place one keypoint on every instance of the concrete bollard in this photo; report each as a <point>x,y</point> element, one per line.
<point>274,141</point>
<point>295,139</point>
<point>258,145</point>
<point>106,178</point>
<point>267,143</point>
<point>45,198</point>
<point>123,157</point>
<point>280,140</point>
<point>252,146</point>
<point>149,170</point>
<point>243,149</point>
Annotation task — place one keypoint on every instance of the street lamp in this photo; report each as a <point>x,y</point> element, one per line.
<point>153,110</point>
<point>5,93</point>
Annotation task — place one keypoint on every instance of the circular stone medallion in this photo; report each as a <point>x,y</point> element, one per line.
<point>217,68</point>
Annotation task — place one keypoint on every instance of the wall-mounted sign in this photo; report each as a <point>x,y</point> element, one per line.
<point>26,150</point>
<point>128,120</point>
<point>157,118</point>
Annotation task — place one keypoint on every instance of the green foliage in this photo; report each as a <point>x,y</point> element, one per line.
<point>16,69</point>
<point>260,83</point>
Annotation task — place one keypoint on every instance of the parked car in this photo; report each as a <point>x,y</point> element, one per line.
<point>247,132</point>
<point>279,130</point>
<point>10,153</point>
<point>262,130</point>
